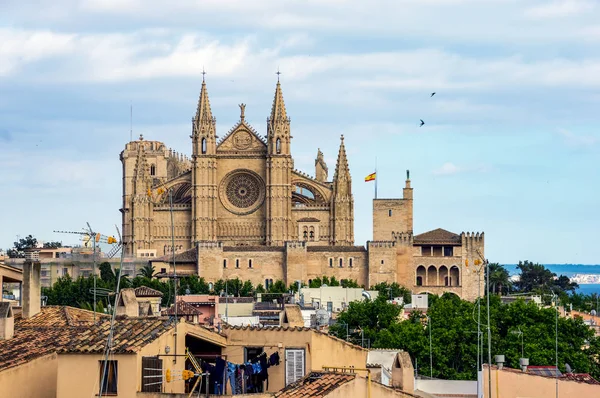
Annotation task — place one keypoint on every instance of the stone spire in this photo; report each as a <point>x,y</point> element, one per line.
<point>278,111</point>
<point>342,171</point>
<point>203,112</point>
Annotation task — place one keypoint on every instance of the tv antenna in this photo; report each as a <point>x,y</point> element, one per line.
<point>88,235</point>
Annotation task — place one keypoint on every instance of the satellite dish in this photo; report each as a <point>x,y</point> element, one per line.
<point>322,317</point>
<point>593,312</point>
<point>187,291</point>
<point>568,367</point>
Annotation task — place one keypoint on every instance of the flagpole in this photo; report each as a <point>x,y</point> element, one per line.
<point>375,177</point>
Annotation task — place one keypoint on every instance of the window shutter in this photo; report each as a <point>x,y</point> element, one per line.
<point>294,365</point>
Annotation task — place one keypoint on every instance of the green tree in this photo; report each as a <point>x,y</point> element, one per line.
<point>147,271</point>
<point>391,290</point>
<point>27,242</point>
<point>349,283</point>
<point>106,273</point>
<point>499,278</point>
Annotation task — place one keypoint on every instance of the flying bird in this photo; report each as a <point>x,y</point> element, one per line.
<point>422,123</point>
<point>432,94</point>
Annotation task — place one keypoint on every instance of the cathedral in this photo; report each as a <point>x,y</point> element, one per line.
<point>239,208</point>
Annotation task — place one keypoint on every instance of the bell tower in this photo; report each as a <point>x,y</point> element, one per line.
<point>279,173</point>
<point>204,170</point>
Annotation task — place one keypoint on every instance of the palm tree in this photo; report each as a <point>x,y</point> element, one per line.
<point>147,271</point>
<point>499,278</point>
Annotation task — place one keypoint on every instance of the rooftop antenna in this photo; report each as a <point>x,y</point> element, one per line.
<point>96,237</point>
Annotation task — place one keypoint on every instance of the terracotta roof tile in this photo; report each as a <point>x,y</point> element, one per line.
<point>71,330</point>
<point>145,291</point>
<point>316,384</point>
<point>439,236</point>
<point>183,308</point>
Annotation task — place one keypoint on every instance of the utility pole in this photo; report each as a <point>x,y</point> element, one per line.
<point>556,341</point>
<point>489,330</point>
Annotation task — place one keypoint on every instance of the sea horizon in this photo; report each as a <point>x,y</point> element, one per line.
<point>568,270</point>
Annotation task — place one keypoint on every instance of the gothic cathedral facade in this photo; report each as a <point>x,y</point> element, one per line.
<point>239,208</point>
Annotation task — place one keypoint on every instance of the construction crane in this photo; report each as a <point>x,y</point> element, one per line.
<point>96,237</point>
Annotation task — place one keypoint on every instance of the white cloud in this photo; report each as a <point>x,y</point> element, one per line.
<point>560,8</point>
<point>450,168</point>
<point>576,140</point>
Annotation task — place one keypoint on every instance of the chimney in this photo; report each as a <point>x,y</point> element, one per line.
<point>524,362</point>
<point>127,303</point>
<point>31,288</point>
<point>7,322</point>
<point>499,359</point>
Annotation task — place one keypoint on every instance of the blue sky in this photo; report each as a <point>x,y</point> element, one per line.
<point>510,146</point>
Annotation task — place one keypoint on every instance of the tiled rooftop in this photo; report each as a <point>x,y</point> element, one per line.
<point>145,291</point>
<point>183,308</point>
<point>439,236</point>
<point>71,330</point>
<point>316,384</point>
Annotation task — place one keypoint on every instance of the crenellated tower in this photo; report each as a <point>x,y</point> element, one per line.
<point>279,168</point>
<point>342,207</point>
<point>204,171</point>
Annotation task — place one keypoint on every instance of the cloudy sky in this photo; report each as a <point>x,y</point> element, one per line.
<point>510,145</point>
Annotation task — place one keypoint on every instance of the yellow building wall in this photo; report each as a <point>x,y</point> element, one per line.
<point>320,350</point>
<point>34,379</point>
<point>359,388</point>
<point>516,384</point>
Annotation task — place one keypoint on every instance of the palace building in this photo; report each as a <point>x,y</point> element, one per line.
<point>239,208</point>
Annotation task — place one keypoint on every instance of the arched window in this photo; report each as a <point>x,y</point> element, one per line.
<point>341,263</point>
<point>237,263</point>
<point>224,263</point>
<point>419,281</point>
<point>152,170</point>
<point>350,262</point>
<point>203,145</point>
<point>330,263</point>
<point>312,235</point>
<point>389,212</point>
<point>278,145</point>
<point>250,263</point>
<point>305,235</point>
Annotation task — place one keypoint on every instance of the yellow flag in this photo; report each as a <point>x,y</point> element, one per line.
<point>371,177</point>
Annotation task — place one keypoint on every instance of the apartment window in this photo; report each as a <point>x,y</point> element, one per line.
<point>237,263</point>
<point>151,366</point>
<point>152,170</point>
<point>350,262</point>
<point>341,263</point>
<point>251,353</point>
<point>224,263</point>
<point>108,383</point>
<point>163,270</point>
<point>389,212</point>
<point>294,365</point>
<point>330,263</point>
<point>203,145</point>
<point>250,263</point>
<point>65,271</point>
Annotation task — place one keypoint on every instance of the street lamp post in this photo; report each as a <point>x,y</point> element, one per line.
<point>430,347</point>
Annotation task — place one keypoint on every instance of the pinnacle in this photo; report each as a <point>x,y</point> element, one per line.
<point>203,112</point>
<point>341,167</point>
<point>278,110</point>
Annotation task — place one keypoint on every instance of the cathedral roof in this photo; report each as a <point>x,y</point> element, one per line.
<point>438,236</point>
<point>188,256</point>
